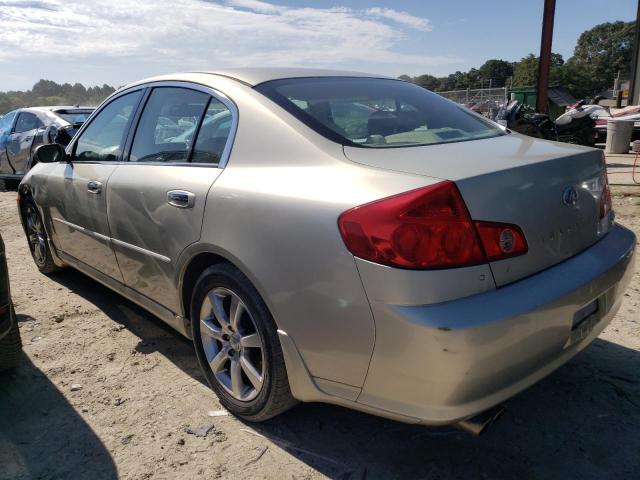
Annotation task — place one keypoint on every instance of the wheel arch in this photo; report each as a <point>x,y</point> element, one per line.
<point>195,260</point>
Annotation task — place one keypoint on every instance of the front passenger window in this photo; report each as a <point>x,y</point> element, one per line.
<point>27,122</point>
<point>104,138</point>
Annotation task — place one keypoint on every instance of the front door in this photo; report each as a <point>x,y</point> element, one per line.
<point>6,125</point>
<point>157,199</point>
<point>18,148</point>
<point>79,219</point>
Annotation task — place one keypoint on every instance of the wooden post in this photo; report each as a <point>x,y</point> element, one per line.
<point>545,55</point>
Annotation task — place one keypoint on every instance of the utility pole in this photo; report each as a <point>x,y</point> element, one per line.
<point>634,86</point>
<point>545,55</point>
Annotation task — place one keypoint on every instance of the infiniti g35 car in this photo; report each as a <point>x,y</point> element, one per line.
<point>22,130</point>
<point>336,237</point>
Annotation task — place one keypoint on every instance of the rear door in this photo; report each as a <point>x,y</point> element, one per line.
<point>77,191</point>
<point>157,199</point>
<point>21,139</point>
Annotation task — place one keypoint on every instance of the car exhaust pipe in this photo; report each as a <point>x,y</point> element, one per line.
<point>479,423</point>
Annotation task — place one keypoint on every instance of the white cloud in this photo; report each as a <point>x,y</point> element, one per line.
<point>255,5</point>
<point>134,39</point>
<point>404,18</point>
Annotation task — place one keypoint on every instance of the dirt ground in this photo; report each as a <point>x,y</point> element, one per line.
<point>106,390</point>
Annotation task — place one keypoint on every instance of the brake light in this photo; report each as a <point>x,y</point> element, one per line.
<point>605,196</point>
<point>426,228</point>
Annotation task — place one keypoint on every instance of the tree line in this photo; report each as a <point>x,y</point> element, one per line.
<point>47,92</point>
<point>599,55</point>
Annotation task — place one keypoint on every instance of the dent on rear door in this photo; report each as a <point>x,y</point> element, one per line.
<point>148,233</point>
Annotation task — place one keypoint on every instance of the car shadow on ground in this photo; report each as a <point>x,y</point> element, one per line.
<point>155,335</point>
<point>583,421</point>
<point>58,445</point>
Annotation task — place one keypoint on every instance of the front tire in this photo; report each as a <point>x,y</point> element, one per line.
<point>10,346</point>
<point>37,238</point>
<point>237,345</point>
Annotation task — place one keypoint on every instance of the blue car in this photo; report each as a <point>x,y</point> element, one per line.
<point>22,130</point>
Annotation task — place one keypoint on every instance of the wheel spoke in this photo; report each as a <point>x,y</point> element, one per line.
<point>235,312</point>
<point>210,330</point>
<point>218,361</point>
<point>218,309</point>
<point>237,385</point>
<point>250,371</point>
<point>251,341</point>
<point>30,224</point>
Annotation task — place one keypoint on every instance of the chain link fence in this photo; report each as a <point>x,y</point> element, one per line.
<point>484,100</point>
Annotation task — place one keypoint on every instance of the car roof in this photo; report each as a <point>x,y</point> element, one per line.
<point>255,76</point>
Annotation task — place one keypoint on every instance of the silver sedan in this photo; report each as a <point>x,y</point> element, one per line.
<point>336,237</point>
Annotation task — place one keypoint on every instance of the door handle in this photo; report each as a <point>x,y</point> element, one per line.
<point>94,187</point>
<point>181,198</point>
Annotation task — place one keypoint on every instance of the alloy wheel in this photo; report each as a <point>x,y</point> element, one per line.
<point>232,344</point>
<point>36,235</point>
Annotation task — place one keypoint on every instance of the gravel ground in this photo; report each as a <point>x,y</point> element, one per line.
<point>106,390</point>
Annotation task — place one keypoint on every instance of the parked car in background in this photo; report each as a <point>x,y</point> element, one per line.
<point>10,344</point>
<point>24,129</point>
<point>333,237</point>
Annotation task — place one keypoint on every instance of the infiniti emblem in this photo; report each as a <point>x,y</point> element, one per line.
<point>570,196</point>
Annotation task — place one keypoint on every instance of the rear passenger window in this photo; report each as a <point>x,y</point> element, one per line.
<point>168,125</point>
<point>213,134</point>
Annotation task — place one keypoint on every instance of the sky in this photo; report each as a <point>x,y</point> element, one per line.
<point>119,41</point>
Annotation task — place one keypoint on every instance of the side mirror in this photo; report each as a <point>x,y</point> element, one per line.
<point>50,153</point>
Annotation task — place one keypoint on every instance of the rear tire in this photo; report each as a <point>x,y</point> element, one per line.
<point>10,347</point>
<point>239,353</point>
<point>37,238</point>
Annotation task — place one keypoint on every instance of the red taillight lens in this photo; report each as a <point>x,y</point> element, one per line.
<point>424,228</point>
<point>605,196</point>
<point>501,240</point>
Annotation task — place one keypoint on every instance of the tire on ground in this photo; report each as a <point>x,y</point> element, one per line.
<point>275,395</point>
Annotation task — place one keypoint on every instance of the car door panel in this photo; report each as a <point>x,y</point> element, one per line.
<point>21,141</point>
<point>148,232</point>
<point>79,212</point>
<point>79,219</point>
<point>6,126</point>
<point>156,200</point>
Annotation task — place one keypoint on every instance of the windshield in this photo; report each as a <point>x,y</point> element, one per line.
<point>74,117</point>
<point>377,113</point>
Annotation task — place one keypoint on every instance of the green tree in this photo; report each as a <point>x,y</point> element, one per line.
<point>47,92</point>
<point>605,50</point>
<point>526,72</point>
<point>426,81</point>
<point>496,70</point>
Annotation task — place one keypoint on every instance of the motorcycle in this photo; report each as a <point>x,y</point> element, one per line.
<point>576,126</point>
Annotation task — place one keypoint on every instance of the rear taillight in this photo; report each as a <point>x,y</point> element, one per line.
<point>425,228</point>
<point>501,240</point>
<point>605,196</point>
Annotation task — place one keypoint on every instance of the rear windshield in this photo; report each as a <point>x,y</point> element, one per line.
<point>377,113</point>
<point>74,116</point>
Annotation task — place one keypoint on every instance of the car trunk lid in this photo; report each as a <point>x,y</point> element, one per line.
<point>518,180</point>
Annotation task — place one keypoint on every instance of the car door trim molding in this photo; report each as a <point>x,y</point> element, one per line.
<point>144,251</point>
<point>114,241</point>
<point>86,231</point>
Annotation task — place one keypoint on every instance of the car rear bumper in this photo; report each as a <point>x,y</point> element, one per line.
<point>440,363</point>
